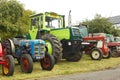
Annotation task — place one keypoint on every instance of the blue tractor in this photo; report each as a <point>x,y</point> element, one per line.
<point>27,51</point>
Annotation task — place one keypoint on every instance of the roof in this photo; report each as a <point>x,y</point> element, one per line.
<point>53,13</point>
<point>115,19</point>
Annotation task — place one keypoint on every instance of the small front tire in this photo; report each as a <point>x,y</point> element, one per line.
<point>26,63</point>
<point>8,68</point>
<point>108,55</point>
<point>48,62</point>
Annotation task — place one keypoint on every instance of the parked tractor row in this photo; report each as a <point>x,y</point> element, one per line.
<point>49,41</point>
<point>113,43</point>
<point>26,52</point>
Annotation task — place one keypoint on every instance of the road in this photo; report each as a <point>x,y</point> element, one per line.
<point>111,74</point>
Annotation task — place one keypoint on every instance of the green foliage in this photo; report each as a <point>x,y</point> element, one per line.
<point>24,22</point>
<point>10,12</point>
<point>100,25</point>
<point>14,19</point>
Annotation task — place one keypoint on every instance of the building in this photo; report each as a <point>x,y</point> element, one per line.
<point>115,20</point>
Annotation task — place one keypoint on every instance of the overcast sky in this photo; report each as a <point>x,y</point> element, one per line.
<point>81,9</point>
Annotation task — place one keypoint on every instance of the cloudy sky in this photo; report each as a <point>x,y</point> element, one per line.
<point>81,9</point>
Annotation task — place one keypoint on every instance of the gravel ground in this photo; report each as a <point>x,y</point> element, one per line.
<point>111,74</point>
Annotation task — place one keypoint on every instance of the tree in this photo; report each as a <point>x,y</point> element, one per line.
<point>24,22</point>
<point>10,12</point>
<point>100,25</point>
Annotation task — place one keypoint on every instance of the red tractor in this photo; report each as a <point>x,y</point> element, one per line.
<point>6,60</point>
<point>112,42</point>
<point>114,45</point>
<point>96,47</point>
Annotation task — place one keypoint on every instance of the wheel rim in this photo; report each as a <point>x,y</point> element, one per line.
<point>106,55</point>
<point>6,67</point>
<point>95,54</point>
<point>115,54</point>
<point>25,64</point>
<point>49,45</point>
<point>46,62</point>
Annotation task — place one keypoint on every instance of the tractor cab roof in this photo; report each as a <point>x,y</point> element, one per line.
<point>46,13</point>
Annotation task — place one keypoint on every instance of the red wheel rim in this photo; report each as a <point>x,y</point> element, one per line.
<point>25,63</point>
<point>46,62</point>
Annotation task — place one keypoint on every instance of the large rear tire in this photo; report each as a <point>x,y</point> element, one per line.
<point>26,63</point>
<point>96,54</point>
<point>8,68</point>
<point>74,57</point>
<point>48,62</point>
<point>9,45</point>
<point>115,53</point>
<point>54,46</point>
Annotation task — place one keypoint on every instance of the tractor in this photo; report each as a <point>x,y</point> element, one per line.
<point>114,45</point>
<point>95,46</point>
<point>62,42</point>
<point>6,60</point>
<point>27,51</point>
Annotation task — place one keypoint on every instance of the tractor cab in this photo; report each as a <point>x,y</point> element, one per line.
<point>53,23</point>
<point>62,42</point>
<point>83,30</point>
<point>110,38</point>
<point>46,21</point>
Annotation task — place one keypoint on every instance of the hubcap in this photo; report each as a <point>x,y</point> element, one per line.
<point>49,45</point>
<point>46,62</point>
<point>95,54</point>
<point>25,64</point>
<point>105,55</point>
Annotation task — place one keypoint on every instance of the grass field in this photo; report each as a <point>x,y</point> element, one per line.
<point>64,67</point>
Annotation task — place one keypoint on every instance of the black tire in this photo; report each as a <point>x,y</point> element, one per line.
<point>96,54</point>
<point>48,62</point>
<point>74,57</point>
<point>115,53</point>
<point>26,63</point>
<point>8,68</point>
<point>56,46</point>
<point>108,55</point>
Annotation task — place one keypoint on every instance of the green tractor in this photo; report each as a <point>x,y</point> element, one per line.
<point>62,42</point>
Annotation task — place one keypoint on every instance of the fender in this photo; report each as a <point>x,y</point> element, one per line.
<point>1,51</point>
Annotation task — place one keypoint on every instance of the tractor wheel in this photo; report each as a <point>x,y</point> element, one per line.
<point>107,56</point>
<point>96,54</point>
<point>114,53</point>
<point>9,45</point>
<point>54,46</point>
<point>48,62</point>
<point>74,57</point>
<point>26,63</point>
<point>8,67</point>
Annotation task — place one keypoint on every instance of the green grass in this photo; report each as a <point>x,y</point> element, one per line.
<point>64,67</point>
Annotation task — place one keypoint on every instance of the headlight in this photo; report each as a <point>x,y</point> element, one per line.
<point>27,44</point>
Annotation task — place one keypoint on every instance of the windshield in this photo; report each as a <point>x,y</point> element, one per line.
<point>53,22</point>
<point>117,39</point>
<point>83,31</point>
